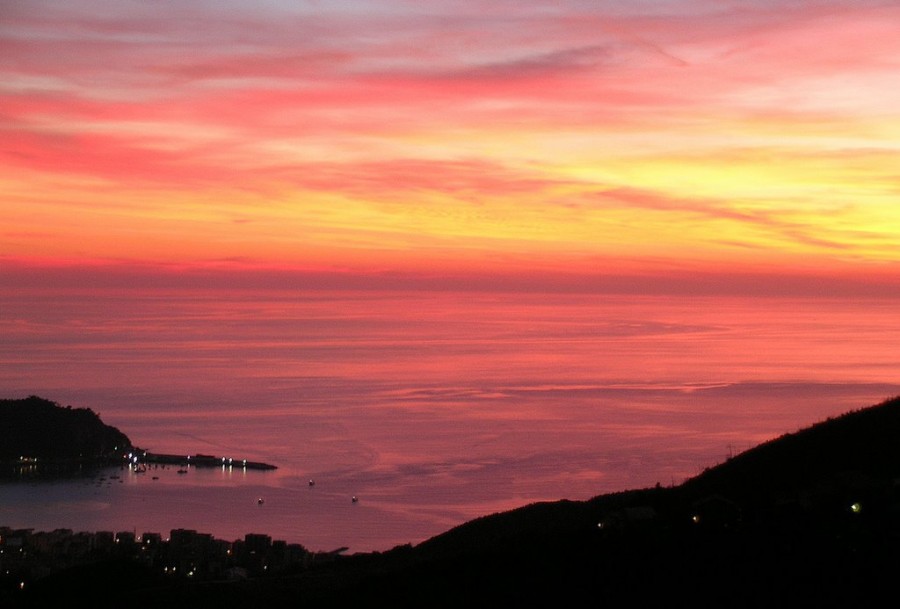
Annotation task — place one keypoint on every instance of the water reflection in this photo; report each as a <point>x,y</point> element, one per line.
<point>434,407</point>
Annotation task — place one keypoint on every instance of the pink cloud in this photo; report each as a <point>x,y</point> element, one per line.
<point>108,157</point>
<point>556,67</point>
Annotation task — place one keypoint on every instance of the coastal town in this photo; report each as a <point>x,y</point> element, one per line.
<point>27,555</point>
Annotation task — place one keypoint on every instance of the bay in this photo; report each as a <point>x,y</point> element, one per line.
<point>432,407</point>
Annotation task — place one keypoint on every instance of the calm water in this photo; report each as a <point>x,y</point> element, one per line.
<point>432,408</point>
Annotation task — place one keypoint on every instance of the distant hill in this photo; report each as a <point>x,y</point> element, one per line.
<point>34,427</point>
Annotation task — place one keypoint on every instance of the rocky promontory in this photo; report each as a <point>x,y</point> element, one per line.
<point>34,431</point>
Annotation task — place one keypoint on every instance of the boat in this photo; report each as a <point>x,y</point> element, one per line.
<point>260,501</point>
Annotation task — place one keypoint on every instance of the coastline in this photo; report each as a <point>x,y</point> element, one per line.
<point>38,468</point>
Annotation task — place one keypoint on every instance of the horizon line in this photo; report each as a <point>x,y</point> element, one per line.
<point>744,282</point>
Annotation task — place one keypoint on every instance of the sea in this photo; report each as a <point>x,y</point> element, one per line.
<point>430,407</point>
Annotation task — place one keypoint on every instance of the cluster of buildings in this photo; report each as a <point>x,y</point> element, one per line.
<point>27,555</point>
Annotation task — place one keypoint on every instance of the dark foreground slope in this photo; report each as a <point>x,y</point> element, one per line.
<point>810,519</point>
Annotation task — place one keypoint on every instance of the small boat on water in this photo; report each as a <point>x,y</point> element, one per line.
<point>312,482</point>
<point>182,471</point>
<point>260,501</point>
<point>354,499</point>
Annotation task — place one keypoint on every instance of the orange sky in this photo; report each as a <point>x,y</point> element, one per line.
<point>513,138</point>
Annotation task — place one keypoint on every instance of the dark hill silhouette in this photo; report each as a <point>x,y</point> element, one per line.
<point>811,519</point>
<point>34,427</point>
<point>856,452</point>
<point>858,447</point>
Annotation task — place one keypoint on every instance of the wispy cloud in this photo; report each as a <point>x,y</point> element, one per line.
<point>564,124</point>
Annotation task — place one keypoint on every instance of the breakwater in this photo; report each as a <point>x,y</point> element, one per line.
<point>198,460</point>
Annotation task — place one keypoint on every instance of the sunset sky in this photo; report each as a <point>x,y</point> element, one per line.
<point>594,140</point>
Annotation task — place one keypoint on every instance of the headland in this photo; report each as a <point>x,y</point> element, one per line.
<point>40,438</point>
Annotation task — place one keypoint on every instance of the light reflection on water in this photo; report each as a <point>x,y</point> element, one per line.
<point>433,408</point>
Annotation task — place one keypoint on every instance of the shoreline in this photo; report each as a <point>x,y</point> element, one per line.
<point>37,468</point>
